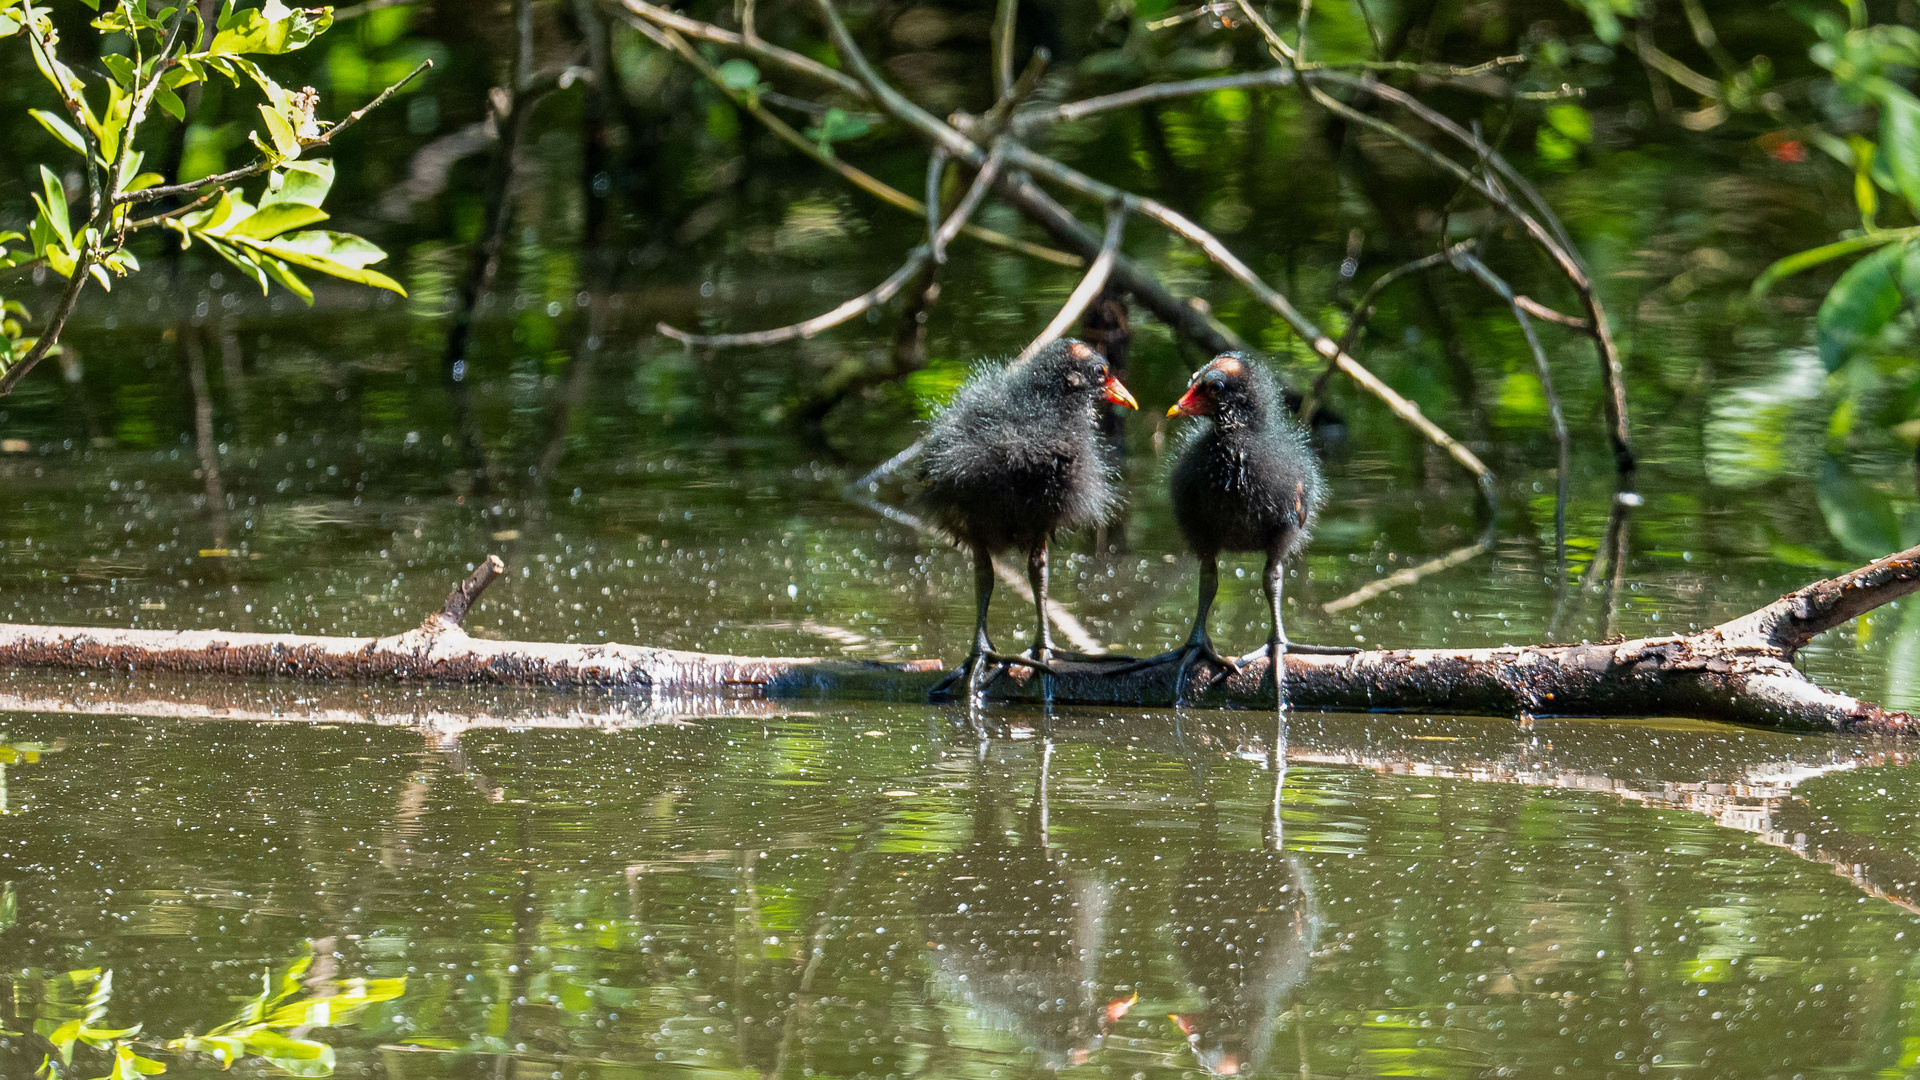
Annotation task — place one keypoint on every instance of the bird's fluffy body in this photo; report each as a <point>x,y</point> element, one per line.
<point>1018,454</point>
<point>1244,478</point>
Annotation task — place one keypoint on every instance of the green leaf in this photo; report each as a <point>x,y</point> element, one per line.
<point>273,28</point>
<point>170,102</point>
<point>838,126</point>
<point>299,182</point>
<point>1572,121</point>
<point>1807,260</point>
<point>281,133</point>
<point>740,75</point>
<point>1860,305</point>
<point>1859,516</point>
<point>54,207</point>
<point>273,219</point>
<point>340,255</point>
<point>1900,141</point>
<point>121,68</point>
<point>61,130</point>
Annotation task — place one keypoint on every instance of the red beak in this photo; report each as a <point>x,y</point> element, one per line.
<point>1190,404</point>
<point>1119,395</point>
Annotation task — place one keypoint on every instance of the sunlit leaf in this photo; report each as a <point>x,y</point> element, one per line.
<point>281,133</point>
<point>340,255</point>
<point>299,182</point>
<point>272,28</point>
<point>1807,260</point>
<point>741,75</point>
<point>275,218</point>
<point>61,130</point>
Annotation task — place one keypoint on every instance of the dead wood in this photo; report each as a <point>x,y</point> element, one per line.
<point>1741,670</point>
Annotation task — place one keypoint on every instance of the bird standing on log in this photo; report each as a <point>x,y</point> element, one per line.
<point>1017,457</point>
<point>1244,480</point>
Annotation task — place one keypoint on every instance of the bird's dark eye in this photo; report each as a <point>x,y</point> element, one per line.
<point>1100,372</point>
<point>1216,385</point>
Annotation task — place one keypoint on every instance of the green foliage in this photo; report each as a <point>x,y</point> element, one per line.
<point>260,1029</point>
<point>72,1009</point>
<point>107,110</point>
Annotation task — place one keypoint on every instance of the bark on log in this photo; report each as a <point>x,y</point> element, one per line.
<point>1739,671</point>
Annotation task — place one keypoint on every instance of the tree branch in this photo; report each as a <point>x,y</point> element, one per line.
<point>1224,258</point>
<point>1089,287</point>
<point>754,45</point>
<point>879,294</point>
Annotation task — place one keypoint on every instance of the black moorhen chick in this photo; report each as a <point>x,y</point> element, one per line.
<point>1016,457</point>
<point>1245,480</point>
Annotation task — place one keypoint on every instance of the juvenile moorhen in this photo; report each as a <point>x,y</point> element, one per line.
<point>1244,480</point>
<point>1015,458</point>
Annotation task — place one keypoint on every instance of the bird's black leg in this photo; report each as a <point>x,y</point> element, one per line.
<point>982,656</point>
<point>1037,578</point>
<point>1198,642</point>
<point>982,647</point>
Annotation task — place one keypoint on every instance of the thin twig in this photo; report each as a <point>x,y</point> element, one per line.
<point>370,6</point>
<point>1186,17</point>
<point>325,138</point>
<point>1362,311</point>
<point>1406,410</point>
<point>670,39</point>
<point>1551,238</point>
<point>1089,287</point>
<point>134,226</point>
<point>1469,263</point>
<point>1032,118</point>
<point>1005,18</point>
<point>936,170</point>
<point>754,45</point>
<point>879,294</point>
<point>1402,578</point>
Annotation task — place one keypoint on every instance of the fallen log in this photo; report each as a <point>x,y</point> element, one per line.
<point>1740,671</point>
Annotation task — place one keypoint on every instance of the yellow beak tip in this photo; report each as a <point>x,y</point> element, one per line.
<point>1173,410</point>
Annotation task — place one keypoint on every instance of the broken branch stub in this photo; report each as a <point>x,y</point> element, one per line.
<point>465,593</point>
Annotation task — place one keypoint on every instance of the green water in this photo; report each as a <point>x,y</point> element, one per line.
<point>583,886</point>
<point>878,893</point>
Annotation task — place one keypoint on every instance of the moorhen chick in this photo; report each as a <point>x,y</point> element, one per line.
<point>1016,457</point>
<point>1244,480</point>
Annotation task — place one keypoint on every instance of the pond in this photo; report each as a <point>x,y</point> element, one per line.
<point>880,892</point>
<point>388,882</point>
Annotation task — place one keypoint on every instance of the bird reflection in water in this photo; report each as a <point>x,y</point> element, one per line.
<point>1016,933</point>
<point>1244,925</point>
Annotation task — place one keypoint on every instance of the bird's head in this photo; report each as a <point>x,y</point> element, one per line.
<point>1232,389</point>
<point>1080,369</point>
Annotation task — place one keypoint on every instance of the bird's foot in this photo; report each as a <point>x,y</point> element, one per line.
<point>979,669</point>
<point>1183,656</point>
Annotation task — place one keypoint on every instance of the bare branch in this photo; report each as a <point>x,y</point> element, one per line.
<point>1089,287</point>
<point>465,593</point>
<point>1551,239</point>
<point>1406,410</point>
<point>1400,579</point>
<point>936,169</point>
<point>859,305</point>
<point>1032,118</point>
<point>889,99</point>
<point>1362,311</point>
<point>1005,16</point>
<point>1471,264</point>
<point>671,40</point>
<point>753,45</point>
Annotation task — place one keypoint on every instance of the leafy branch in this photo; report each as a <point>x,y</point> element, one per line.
<point>165,54</point>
